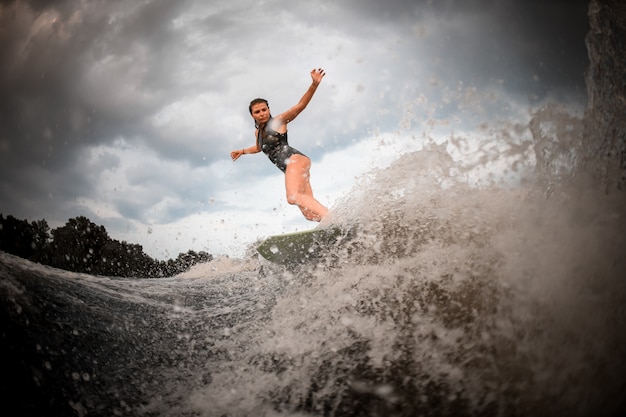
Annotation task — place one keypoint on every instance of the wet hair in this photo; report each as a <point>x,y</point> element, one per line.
<point>257,101</point>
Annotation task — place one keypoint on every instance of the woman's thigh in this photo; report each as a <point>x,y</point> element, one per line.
<point>297,174</point>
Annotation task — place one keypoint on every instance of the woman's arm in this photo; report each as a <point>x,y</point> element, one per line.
<point>292,113</point>
<point>251,149</point>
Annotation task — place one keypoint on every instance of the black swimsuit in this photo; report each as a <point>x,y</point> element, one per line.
<point>275,146</point>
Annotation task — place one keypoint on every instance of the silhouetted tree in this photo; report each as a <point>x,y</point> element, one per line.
<point>21,238</point>
<point>41,240</point>
<point>82,246</point>
<point>78,245</point>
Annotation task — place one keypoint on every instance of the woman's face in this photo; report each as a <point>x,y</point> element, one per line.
<point>260,113</point>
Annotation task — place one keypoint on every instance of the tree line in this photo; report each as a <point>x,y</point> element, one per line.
<point>83,246</point>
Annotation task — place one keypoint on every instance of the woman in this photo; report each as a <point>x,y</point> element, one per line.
<point>271,138</point>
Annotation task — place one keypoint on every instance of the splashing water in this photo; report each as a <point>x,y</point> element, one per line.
<point>451,300</point>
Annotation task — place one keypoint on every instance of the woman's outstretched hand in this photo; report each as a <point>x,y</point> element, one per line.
<point>317,75</point>
<point>236,154</point>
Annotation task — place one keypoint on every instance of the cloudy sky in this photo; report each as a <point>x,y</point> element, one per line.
<point>126,111</point>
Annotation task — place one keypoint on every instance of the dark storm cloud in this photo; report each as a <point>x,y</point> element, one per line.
<point>535,46</point>
<point>57,58</point>
<point>45,58</point>
<point>64,64</point>
<point>543,38</point>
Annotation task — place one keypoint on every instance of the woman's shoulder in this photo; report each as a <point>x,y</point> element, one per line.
<point>278,124</point>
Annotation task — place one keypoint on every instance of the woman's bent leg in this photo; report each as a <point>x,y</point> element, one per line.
<point>299,190</point>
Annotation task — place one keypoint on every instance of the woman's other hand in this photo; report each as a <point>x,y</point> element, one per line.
<point>236,154</point>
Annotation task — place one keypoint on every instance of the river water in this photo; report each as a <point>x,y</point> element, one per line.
<point>452,296</point>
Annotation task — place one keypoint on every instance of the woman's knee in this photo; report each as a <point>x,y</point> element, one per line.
<point>303,201</point>
<point>292,199</point>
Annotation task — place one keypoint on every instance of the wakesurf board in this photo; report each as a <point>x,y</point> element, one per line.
<point>298,247</point>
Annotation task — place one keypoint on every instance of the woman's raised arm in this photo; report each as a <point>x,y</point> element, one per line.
<point>292,113</point>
